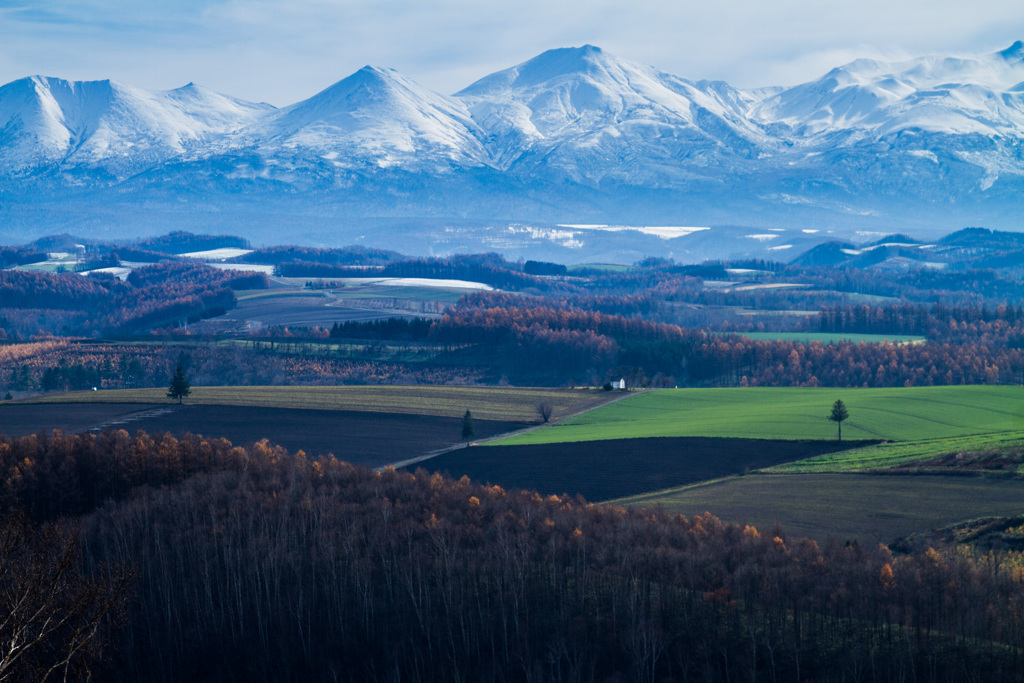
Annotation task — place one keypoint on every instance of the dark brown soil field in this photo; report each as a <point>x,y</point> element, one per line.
<point>372,439</point>
<point>871,508</point>
<point>22,420</point>
<point>604,470</point>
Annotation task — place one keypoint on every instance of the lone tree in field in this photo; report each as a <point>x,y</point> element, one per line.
<point>179,388</point>
<point>838,414</point>
<point>544,410</point>
<point>467,425</point>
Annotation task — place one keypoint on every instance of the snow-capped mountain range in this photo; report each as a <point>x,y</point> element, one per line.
<point>574,135</point>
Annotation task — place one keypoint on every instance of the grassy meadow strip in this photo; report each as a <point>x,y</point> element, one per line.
<point>885,455</point>
<point>869,508</point>
<point>488,403</point>
<point>833,337</point>
<point>895,414</point>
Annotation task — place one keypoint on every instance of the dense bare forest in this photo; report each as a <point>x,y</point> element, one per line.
<point>260,565</point>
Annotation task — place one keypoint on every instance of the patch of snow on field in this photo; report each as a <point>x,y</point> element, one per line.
<point>120,272</point>
<point>566,238</point>
<point>269,270</point>
<point>665,232</point>
<point>768,285</point>
<point>417,282</point>
<point>763,238</point>
<point>218,254</point>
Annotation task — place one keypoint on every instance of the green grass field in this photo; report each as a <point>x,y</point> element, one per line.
<point>869,508</point>
<point>832,338</point>
<point>885,455</point>
<point>900,414</point>
<point>829,495</point>
<point>488,403</point>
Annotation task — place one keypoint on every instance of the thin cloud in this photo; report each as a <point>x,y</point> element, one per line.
<point>281,51</point>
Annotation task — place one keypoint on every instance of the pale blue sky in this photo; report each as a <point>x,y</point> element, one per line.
<point>281,51</point>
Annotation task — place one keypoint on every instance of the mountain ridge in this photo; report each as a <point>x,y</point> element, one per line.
<point>574,135</point>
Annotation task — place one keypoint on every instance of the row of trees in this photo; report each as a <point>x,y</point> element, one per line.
<point>536,341</point>
<point>998,324</point>
<point>528,346</point>
<point>115,366</point>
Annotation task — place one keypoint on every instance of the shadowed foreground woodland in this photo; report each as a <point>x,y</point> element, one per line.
<point>236,564</point>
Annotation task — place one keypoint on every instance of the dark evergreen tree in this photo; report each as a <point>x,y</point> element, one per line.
<point>467,426</point>
<point>838,414</point>
<point>180,387</point>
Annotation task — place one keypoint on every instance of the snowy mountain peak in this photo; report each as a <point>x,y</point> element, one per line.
<point>370,86</point>
<point>372,76</point>
<point>1014,53</point>
<point>378,113</point>
<point>550,68</point>
<point>560,63</point>
<point>570,103</point>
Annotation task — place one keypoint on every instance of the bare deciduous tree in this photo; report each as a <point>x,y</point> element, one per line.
<point>53,619</point>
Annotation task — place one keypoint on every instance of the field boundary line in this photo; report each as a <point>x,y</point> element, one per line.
<point>508,435</point>
<point>128,418</point>
<point>638,498</point>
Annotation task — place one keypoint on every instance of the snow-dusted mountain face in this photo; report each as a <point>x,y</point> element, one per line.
<point>596,118</point>
<point>375,116</point>
<point>954,121</point>
<point>51,126</point>
<point>574,136</point>
<point>955,96</point>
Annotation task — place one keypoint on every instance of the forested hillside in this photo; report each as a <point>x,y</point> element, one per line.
<point>260,565</point>
<point>170,293</point>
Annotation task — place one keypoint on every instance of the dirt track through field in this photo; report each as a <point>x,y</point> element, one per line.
<point>22,420</point>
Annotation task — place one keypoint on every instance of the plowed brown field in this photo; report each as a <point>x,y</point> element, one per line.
<point>604,470</point>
